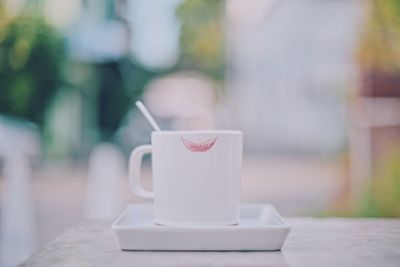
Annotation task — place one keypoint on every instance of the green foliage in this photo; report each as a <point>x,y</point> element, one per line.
<point>31,58</point>
<point>107,92</point>
<point>202,36</point>
<point>120,84</point>
<point>379,46</point>
<point>383,195</point>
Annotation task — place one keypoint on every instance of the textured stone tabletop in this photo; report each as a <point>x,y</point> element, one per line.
<point>312,242</point>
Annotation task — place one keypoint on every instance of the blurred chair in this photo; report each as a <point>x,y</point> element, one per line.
<point>18,142</point>
<point>107,172</point>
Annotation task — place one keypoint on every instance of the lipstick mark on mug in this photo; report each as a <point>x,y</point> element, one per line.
<point>201,146</point>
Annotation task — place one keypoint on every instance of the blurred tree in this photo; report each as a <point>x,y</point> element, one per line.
<point>123,81</point>
<point>202,36</point>
<point>31,61</point>
<point>120,84</point>
<point>379,57</point>
<point>112,99</point>
<point>383,195</point>
<point>379,46</point>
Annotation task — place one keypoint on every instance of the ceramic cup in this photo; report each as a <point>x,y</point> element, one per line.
<point>196,176</point>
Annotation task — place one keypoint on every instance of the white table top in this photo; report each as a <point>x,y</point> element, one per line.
<point>312,242</point>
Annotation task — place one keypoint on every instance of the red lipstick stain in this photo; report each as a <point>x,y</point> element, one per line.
<point>202,146</point>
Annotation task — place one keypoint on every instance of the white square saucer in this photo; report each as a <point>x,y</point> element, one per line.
<point>260,228</point>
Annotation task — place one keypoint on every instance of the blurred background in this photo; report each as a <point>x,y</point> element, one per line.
<point>313,84</point>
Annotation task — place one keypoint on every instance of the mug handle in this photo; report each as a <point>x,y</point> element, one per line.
<point>135,171</point>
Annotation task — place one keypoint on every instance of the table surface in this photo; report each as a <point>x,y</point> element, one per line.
<point>311,242</point>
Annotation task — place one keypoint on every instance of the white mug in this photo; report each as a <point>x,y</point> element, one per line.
<point>196,176</point>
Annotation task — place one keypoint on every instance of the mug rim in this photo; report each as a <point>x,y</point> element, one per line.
<point>234,132</point>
